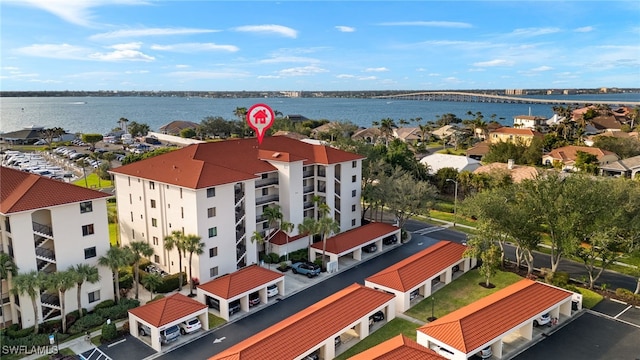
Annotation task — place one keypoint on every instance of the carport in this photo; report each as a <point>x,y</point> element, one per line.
<point>352,241</point>
<point>490,320</point>
<point>413,277</point>
<point>219,293</point>
<point>164,313</point>
<point>314,329</point>
<point>398,347</point>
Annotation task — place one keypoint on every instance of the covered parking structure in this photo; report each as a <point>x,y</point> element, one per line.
<point>421,274</point>
<point>224,293</point>
<point>352,241</point>
<point>399,347</point>
<point>488,321</point>
<point>314,330</point>
<point>164,313</point>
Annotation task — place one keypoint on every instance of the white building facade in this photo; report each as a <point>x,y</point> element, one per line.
<point>48,226</point>
<point>219,191</point>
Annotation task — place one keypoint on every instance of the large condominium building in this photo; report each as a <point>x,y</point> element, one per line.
<point>47,226</point>
<point>219,191</point>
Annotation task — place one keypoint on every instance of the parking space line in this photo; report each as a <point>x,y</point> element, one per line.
<point>613,318</point>
<point>428,230</point>
<point>623,311</point>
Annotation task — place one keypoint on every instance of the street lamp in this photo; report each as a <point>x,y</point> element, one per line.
<point>433,302</point>
<point>455,201</point>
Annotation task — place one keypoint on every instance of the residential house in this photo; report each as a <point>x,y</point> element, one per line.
<point>629,168</point>
<point>590,140</point>
<point>529,122</point>
<point>513,135</point>
<point>175,127</point>
<point>435,162</point>
<point>370,135</point>
<point>517,172</point>
<point>446,131</point>
<point>219,191</point>
<point>567,156</point>
<point>606,123</point>
<point>408,134</point>
<point>47,226</point>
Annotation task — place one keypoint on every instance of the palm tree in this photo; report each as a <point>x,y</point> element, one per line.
<point>326,226</point>
<point>61,281</point>
<point>192,244</point>
<point>386,128</point>
<point>7,267</point>
<point>287,227</point>
<point>114,259</point>
<point>123,124</point>
<point>29,284</point>
<point>151,282</point>
<point>241,113</point>
<point>139,249</point>
<point>257,237</point>
<point>274,217</point>
<point>308,226</point>
<point>82,273</point>
<point>176,240</point>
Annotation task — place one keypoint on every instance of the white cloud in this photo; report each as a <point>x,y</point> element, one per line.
<point>288,59</point>
<point>367,78</point>
<point>345,76</point>
<point>496,62</point>
<point>182,66</point>
<point>380,69</point>
<point>535,31</point>
<point>54,51</point>
<point>302,71</point>
<point>195,47</point>
<point>542,68</point>
<point>345,28</point>
<point>268,77</point>
<point>584,29</point>
<point>150,32</point>
<point>122,55</point>
<point>269,29</point>
<point>444,24</point>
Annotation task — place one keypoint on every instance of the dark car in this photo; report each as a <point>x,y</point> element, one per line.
<point>234,307</point>
<point>254,299</point>
<point>379,316</point>
<point>370,248</point>
<point>390,240</point>
<point>306,268</point>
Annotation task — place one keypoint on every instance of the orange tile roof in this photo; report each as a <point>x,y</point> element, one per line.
<point>280,238</point>
<point>21,191</point>
<point>355,237</point>
<point>304,330</point>
<point>516,131</point>
<point>517,173</point>
<point>398,348</point>
<point>469,328</point>
<point>570,153</point>
<point>241,281</point>
<point>417,268</point>
<point>209,164</point>
<point>166,310</point>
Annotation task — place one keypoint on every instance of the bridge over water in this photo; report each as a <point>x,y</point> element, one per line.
<point>491,98</point>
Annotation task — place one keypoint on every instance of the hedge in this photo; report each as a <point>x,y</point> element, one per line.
<point>628,296</point>
<point>169,282</point>
<point>109,332</point>
<point>86,323</point>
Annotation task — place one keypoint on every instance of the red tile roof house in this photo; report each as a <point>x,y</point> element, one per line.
<point>351,242</point>
<point>164,313</point>
<point>398,348</point>
<point>237,286</point>
<point>421,274</point>
<point>47,226</point>
<point>219,190</point>
<point>509,312</point>
<point>314,329</point>
<point>567,156</point>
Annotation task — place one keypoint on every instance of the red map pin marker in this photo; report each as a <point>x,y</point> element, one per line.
<point>260,117</point>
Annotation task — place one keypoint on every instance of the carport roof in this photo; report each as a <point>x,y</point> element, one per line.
<point>166,310</point>
<point>412,271</point>
<point>241,281</point>
<point>398,348</point>
<point>299,333</point>
<point>474,325</point>
<point>354,238</point>
<point>280,238</point>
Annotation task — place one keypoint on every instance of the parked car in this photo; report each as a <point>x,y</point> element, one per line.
<point>543,319</point>
<point>370,248</point>
<point>306,268</point>
<point>234,307</point>
<point>378,316</point>
<point>190,326</point>
<point>485,353</point>
<point>169,334</point>
<point>254,299</point>
<point>390,240</point>
<point>144,330</point>
<point>272,290</point>
<point>455,268</point>
<point>414,294</point>
<point>337,341</point>
<point>313,356</point>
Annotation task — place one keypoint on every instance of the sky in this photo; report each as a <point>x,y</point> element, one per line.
<point>145,45</point>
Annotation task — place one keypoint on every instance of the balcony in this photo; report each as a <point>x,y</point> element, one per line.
<point>266,182</point>
<point>239,196</point>
<point>267,199</point>
<point>307,189</point>
<point>307,173</point>
<point>308,205</point>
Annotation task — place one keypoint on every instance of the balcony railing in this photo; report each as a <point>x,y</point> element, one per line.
<point>307,173</point>
<point>266,199</point>
<point>307,189</point>
<point>265,182</point>
<point>42,229</point>
<point>47,254</point>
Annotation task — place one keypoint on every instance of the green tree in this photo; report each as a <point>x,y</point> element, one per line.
<point>7,268</point>
<point>30,284</point>
<point>256,237</point>
<point>188,133</point>
<point>587,162</point>
<point>114,259</point>
<point>91,139</point>
<point>241,114</point>
<point>61,281</point>
<point>137,129</point>
<point>151,282</point>
<point>308,226</point>
<point>138,250</point>
<point>82,273</point>
<point>483,246</point>
<point>274,218</point>
<point>287,228</point>
<point>407,197</point>
<point>192,245</point>
<point>50,134</point>
<point>325,227</point>
<point>176,241</point>
<point>604,248</point>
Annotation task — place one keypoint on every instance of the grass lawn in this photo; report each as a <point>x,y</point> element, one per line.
<point>589,298</point>
<point>394,327</point>
<point>461,292</point>
<point>113,234</point>
<point>93,182</point>
<point>215,321</point>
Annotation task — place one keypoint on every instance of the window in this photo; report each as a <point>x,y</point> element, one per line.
<point>353,193</point>
<point>133,234</point>
<point>152,185</point>
<point>129,180</point>
<point>153,204</point>
<point>353,178</point>
<point>353,207</point>
<point>213,252</point>
<point>87,230</point>
<point>211,192</point>
<point>213,271</point>
<point>181,212</point>
<point>180,193</point>
<point>130,199</point>
<point>132,216</point>
<point>213,232</point>
<point>354,164</point>
<point>156,259</point>
<point>155,241</point>
<point>211,212</point>
<point>265,192</point>
<point>154,222</point>
<point>86,207</point>
<point>353,222</point>
<point>90,252</point>
<point>94,296</point>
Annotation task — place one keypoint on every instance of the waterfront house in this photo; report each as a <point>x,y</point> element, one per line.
<point>567,156</point>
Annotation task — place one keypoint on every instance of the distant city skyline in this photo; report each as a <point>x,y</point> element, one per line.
<point>142,45</point>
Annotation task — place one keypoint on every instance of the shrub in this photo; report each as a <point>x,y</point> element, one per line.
<point>104,304</point>
<point>129,303</point>
<point>170,283</point>
<point>157,297</point>
<point>50,326</point>
<point>113,313</point>
<point>126,281</point>
<point>125,327</point>
<point>273,258</point>
<point>15,332</point>
<point>29,341</point>
<point>627,296</point>
<point>109,332</point>
<point>85,323</point>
